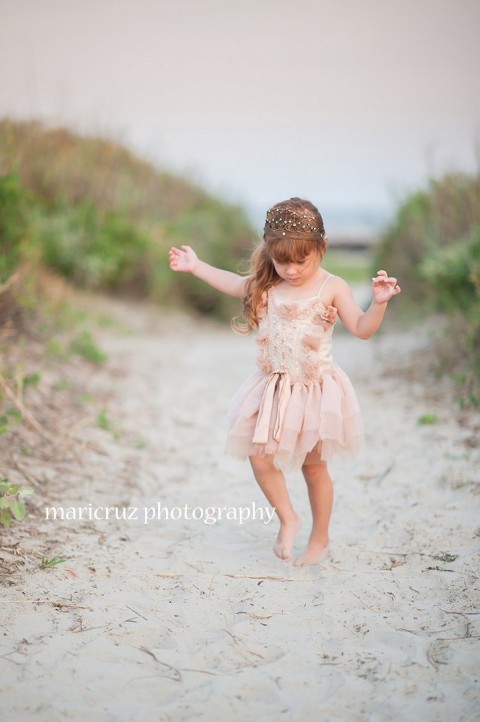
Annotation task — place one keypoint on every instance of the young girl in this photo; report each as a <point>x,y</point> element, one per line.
<point>298,408</point>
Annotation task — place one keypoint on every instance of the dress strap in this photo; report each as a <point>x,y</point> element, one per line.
<point>330,275</point>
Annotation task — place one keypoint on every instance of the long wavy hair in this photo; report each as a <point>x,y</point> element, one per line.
<point>290,246</point>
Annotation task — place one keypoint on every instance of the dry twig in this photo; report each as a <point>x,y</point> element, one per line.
<point>277,579</point>
<point>177,676</point>
<point>26,414</point>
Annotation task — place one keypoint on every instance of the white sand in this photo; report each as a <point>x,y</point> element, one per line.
<point>182,620</point>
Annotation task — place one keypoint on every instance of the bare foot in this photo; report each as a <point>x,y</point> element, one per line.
<point>315,553</point>
<point>286,535</point>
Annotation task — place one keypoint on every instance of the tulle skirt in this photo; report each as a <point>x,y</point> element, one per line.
<point>321,418</point>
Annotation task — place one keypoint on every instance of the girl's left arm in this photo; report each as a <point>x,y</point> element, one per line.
<point>363,324</point>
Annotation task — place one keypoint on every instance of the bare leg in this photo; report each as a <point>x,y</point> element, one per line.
<point>320,493</point>
<point>272,483</point>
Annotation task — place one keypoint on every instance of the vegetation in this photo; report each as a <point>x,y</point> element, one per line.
<point>11,504</point>
<point>53,562</point>
<point>353,266</point>
<point>434,246</point>
<point>104,219</point>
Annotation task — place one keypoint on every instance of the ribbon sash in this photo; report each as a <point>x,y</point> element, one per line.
<point>262,426</point>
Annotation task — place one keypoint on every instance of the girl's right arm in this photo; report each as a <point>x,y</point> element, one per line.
<point>185,259</point>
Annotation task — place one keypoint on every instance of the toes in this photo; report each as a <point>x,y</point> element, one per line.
<point>282,553</point>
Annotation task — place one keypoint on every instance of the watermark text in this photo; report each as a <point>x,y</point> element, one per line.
<point>158,512</point>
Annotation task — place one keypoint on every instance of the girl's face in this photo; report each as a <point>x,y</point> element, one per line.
<point>296,273</point>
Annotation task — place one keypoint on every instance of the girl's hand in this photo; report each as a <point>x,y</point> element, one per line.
<point>384,287</point>
<point>183,260</point>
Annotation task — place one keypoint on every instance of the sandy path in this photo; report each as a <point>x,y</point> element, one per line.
<point>179,620</point>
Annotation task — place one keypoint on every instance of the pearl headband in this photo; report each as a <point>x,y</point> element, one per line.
<point>282,221</point>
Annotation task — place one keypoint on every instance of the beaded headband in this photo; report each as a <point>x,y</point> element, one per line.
<point>283,220</point>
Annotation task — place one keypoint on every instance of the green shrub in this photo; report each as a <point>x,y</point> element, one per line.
<point>443,214</point>
<point>14,224</point>
<point>93,252</point>
<point>453,273</point>
<point>433,247</point>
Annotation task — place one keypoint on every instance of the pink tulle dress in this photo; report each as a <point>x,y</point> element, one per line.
<point>297,406</point>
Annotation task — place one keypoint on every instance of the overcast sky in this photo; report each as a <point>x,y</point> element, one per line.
<point>349,103</point>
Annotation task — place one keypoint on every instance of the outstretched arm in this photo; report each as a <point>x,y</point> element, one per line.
<point>185,259</point>
<point>363,324</point>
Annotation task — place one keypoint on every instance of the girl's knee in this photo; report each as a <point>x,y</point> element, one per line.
<point>315,473</point>
<point>262,464</point>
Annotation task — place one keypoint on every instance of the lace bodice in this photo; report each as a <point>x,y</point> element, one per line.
<point>296,337</point>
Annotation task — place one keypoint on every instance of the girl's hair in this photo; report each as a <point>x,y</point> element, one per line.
<point>293,229</point>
